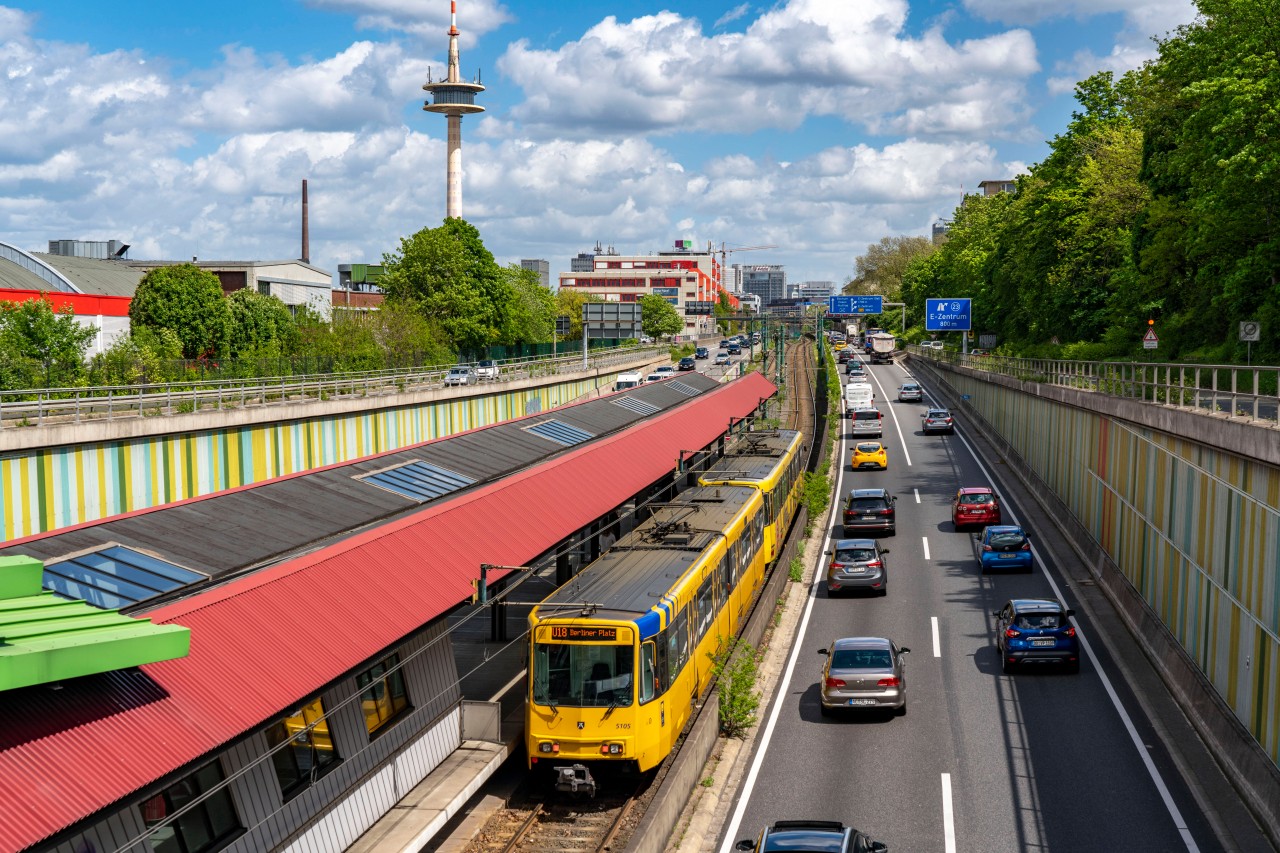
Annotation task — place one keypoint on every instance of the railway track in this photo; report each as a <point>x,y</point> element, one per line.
<point>798,407</point>
<point>546,822</point>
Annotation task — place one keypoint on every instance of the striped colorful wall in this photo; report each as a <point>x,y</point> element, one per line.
<point>52,488</point>
<point>1196,531</point>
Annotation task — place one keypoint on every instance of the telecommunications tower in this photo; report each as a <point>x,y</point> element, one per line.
<point>455,98</point>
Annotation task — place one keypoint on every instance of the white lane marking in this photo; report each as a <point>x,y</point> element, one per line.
<point>937,644</point>
<point>948,816</point>
<point>512,683</point>
<point>731,833</point>
<point>906,454</point>
<point>1179,823</point>
<point>925,540</point>
<point>917,494</point>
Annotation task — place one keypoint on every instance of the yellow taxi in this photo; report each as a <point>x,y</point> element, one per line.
<point>870,454</point>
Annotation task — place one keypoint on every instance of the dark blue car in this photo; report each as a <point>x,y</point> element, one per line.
<point>1036,631</point>
<point>1004,547</point>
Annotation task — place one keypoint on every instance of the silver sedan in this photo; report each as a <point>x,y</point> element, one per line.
<point>864,672</point>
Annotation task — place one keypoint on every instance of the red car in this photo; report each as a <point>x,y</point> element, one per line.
<point>975,506</point>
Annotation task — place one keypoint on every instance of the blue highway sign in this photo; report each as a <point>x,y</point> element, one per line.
<point>856,305</point>
<point>948,315</point>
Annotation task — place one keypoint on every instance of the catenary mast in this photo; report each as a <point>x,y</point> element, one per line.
<point>455,98</point>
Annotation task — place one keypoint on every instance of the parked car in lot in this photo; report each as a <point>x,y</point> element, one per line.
<point>1033,631</point>
<point>937,420</point>
<point>910,392</point>
<point>869,454</point>
<point>688,363</point>
<point>487,369</point>
<point>1003,547</point>
<point>867,510</point>
<point>828,836</point>
<point>460,376</point>
<point>702,352</point>
<point>863,672</point>
<point>722,357</point>
<point>975,506</point>
<point>857,564</point>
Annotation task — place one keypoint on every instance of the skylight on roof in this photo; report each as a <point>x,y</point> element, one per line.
<point>560,432</point>
<point>115,577</point>
<point>687,390</point>
<point>640,407</point>
<point>420,481</point>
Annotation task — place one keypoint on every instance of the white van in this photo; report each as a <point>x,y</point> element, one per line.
<point>627,380</point>
<point>857,395</point>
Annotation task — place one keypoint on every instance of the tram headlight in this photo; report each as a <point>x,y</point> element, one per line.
<point>548,746</point>
<point>611,749</point>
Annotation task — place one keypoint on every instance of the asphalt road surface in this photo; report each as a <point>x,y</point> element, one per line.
<point>1039,761</point>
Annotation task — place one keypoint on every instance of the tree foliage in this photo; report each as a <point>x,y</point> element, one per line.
<point>568,303</point>
<point>41,346</point>
<point>659,317</point>
<point>531,316</point>
<point>187,300</point>
<point>259,324</point>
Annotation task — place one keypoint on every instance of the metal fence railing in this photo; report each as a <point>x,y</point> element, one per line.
<point>1231,389</point>
<point>43,406</point>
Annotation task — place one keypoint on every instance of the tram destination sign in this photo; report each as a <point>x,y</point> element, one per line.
<point>583,634</point>
<point>948,315</point>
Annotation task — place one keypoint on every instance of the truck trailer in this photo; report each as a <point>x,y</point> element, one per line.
<point>882,345</point>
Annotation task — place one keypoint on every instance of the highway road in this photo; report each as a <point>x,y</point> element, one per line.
<point>1043,761</point>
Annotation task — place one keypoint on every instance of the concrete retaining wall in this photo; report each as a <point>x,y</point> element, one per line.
<point>1182,532</point>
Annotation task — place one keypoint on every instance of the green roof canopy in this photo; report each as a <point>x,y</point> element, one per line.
<point>44,638</point>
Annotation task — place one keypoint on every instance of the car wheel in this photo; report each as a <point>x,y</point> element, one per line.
<point>825,711</point>
<point>1005,666</point>
<point>1073,668</point>
<point>893,531</point>
<point>1028,570</point>
<point>884,590</point>
<point>902,712</point>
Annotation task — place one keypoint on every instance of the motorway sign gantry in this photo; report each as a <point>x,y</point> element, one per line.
<point>948,315</point>
<point>847,305</point>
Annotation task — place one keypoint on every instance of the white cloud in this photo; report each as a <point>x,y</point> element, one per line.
<point>660,74</point>
<point>734,14</point>
<point>428,20</point>
<point>1151,16</point>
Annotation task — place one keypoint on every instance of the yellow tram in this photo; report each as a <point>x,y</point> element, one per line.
<point>771,462</point>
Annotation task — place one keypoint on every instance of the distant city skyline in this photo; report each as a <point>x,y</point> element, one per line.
<point>815,126</point>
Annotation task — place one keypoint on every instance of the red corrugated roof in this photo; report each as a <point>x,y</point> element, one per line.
<point>264,642</point>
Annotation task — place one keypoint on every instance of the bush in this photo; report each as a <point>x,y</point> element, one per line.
<point>736,669</point>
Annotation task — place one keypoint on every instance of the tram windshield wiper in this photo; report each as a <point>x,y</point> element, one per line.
<point>555,709</point>
<point>609,710</point>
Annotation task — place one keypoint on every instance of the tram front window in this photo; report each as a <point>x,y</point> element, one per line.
<point>582,675</point>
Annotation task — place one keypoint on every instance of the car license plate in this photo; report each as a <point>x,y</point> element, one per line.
<point>856,570</point>
<point>1007,556</point>
<point>1048,642</point>
<point>862,701</point>
<point>868,518</point>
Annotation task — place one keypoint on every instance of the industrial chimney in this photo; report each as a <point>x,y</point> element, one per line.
<point>306,227</point>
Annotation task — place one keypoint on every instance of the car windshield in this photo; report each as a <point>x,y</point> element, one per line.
<point>984,498</point>
<point>871,415</point>
<point>855,555</point>
<point>488,363</point>
<point>938,414</point>
<point>866,503</point>
<point>910,387</point>
<point>861,659</point>
<point>457,371</point>
<point>581,675</point>
<point>1034,621</point>
<point>1007,538</point>
<point>868,447</point>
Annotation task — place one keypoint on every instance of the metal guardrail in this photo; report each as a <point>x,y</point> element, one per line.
<point>43,406</point>
<point>1231,389</point>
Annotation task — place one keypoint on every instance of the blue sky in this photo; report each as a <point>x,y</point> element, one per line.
<point>818,126</point>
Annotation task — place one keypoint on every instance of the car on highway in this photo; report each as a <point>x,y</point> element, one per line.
<point>855,368</point>
<point>857,564</point>
<point>844,356</point>
<point>461,375</point>
<point>1003,547</point>
<point>910,392</point>
<point>666,371</point>
<point>628,380</point>
<point>869,454</point>
<point>1036,631</point>
<point>975,506</point>
<point>866,421</point>
<point>487,369</point>
<point>702,352</point>
<point>868,510</point>
<point>734,348</point>
<point>722,357</point>
<point>724,344</point>
<point>688,363</point>
<point>657,377</point>
<point>863,672</point>
<point>937,420</point>
<point>819,836</point>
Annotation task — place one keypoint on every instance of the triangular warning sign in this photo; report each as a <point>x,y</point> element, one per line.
<point>1150,335</point>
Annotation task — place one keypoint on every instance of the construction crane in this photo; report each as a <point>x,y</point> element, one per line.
<point>724,252</point>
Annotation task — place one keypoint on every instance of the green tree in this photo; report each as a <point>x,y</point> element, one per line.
<point>259,324</point>
<point>34,333</point>
<point>139,357</point>
<point>722,310</point>
<point>406,337</point>
<point>453,278</point>
<point>659,317</point>
<point>187,300</point>
<point>531,315</point>
<point>880,270</point>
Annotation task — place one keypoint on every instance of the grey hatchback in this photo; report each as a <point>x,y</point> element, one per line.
<point>857,564</point>
<point>863,672</point>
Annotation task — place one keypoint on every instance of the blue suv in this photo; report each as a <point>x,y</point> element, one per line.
<point>817,836</point>
<point>1004,546</point>
<point>1032,631</point>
